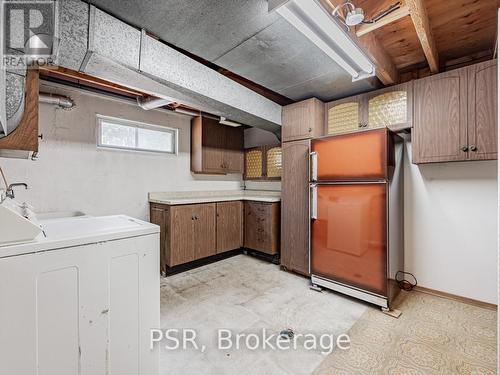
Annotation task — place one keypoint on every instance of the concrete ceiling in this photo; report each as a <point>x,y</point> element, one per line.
<point>241,36</point>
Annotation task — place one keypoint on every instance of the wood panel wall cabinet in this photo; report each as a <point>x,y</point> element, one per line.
<point>455,115</point>
<point>345,115</point>
<point>188,232</point>
<point>229,226</point>
<point>391,107</point>
<point>215,148</point>
<point>263,163</point>
<point>262,226</point>
<point>295,207</point>
<point>482,126</point>
<point>303,120</point>
<point>25,136</point>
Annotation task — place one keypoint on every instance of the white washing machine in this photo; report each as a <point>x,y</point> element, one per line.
<point>81,298</point>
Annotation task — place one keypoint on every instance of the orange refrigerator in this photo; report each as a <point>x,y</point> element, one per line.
<point>357,243</point>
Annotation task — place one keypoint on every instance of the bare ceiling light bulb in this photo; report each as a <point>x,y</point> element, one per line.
<point>355,17</point>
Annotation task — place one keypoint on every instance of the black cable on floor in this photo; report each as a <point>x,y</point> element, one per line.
<point>404,283</point>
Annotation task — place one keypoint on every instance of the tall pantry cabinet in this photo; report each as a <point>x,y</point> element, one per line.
<point>301,121</point>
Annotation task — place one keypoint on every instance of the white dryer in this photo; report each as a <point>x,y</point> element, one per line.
<point>81,298</point>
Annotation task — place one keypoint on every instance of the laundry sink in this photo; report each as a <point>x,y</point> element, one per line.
<point>18,223</point>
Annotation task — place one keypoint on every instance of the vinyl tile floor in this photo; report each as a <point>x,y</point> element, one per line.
<point>244,296</point>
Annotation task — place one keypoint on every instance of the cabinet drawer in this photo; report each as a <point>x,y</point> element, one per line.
<point>262,226</point>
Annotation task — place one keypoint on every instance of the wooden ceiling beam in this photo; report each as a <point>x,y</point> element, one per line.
<point>385,69</point>
<point>418,14</point>
<point>366,28</point>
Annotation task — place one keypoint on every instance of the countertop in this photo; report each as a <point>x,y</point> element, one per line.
<point>193,197</point>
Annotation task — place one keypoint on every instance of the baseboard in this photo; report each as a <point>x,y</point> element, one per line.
<point>469,301</point>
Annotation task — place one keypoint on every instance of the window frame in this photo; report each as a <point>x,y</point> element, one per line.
<point>136,125</point>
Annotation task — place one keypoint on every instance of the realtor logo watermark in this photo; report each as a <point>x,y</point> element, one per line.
<point>29,33</point>
<point>266,340</point>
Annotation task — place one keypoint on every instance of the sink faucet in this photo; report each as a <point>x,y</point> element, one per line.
<point>10,191</point>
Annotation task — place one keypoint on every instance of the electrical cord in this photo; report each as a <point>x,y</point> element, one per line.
<point>405,284</point>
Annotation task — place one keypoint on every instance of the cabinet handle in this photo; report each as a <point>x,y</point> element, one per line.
<point>464,148</point>
<point>473,148</point>
<point>310,130</point>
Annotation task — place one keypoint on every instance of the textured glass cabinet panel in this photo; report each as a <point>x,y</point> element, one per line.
<point>343,118</point>
<point>274,162</point>
<point>387,109</point>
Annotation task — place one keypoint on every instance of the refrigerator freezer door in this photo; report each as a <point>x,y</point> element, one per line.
<point>349,235</point>
<point>352,157</point>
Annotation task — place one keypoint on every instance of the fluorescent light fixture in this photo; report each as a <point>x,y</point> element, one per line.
<point>224,121</point>
<point>326,32</point>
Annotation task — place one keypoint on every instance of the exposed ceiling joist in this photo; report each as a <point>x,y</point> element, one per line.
<point>385,69</point>
<point>420,20</point>
<point>392,17</point>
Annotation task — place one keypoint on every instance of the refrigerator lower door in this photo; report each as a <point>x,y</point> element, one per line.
<point>349,235</point>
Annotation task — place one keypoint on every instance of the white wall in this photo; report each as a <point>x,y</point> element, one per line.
<point>72,174</point>
<point>451,227</point>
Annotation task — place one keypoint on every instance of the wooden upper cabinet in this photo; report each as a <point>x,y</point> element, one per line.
<point>303,120</point>
<point>215,148</point>
<point>391,107</point>
<point>455,115</point>
<point>229,226</point>
<point>440,118</point>
<point>482,111</point>
<point>263,163</point>
<point>25,136</point>
<point>345,115</point>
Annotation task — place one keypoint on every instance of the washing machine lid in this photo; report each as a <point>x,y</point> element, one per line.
<point>83,230</point>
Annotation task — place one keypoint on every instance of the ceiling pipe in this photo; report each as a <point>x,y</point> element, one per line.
<point>57,100</point>
<point>152,103</point>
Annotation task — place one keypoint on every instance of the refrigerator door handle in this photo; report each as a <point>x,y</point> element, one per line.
<point>313,156</point>
<point>314,202</point>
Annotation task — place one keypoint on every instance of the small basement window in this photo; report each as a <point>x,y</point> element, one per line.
<point>123,134</point>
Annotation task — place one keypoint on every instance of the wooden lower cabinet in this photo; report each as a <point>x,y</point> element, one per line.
<point>187,232</point>
<point>229,226</point>
<point>262,226</point>
<point>295,207</point>
<point>158,215</point>
<point>195,231</point>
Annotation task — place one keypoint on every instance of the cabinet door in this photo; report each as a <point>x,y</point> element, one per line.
<point>181,236</point>
<point>303,120</point>
<point>391,107</point>
<point>203,230</point>
<point>158,216</point>
<point>482,124</point>
<point>213,146</point>
<point>440,118</point>
<point>251,225</point>
<point>254,164</point>
<point>233,150</point>
<point>274,162</point>
<point>345,115</point>
<point>295,206</point>
<point>229,226</point>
